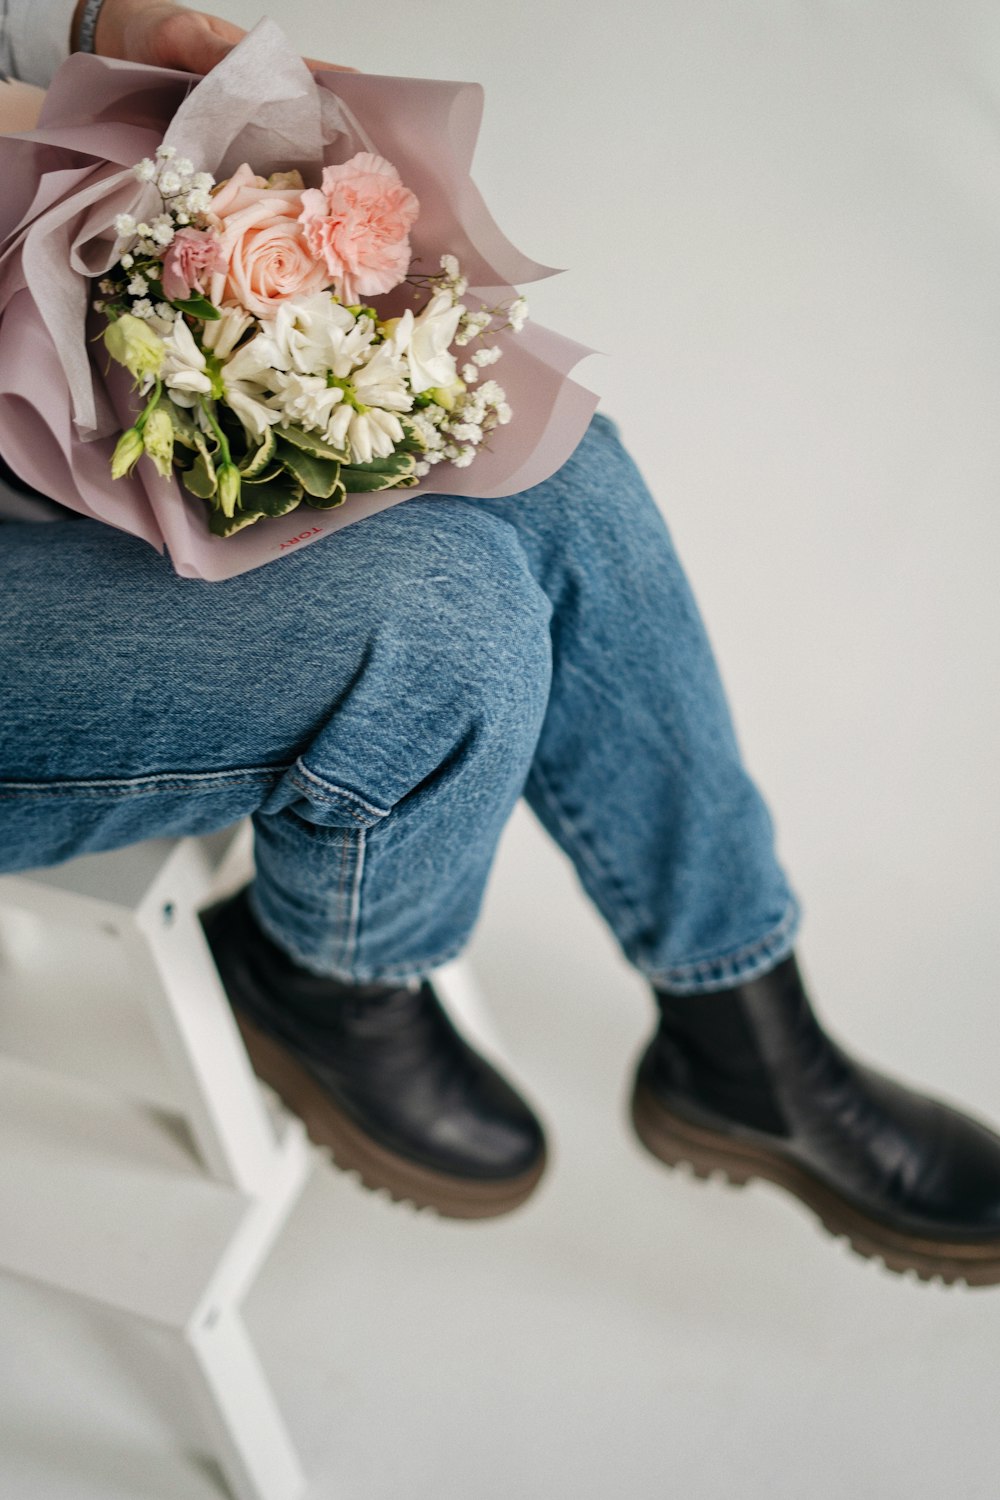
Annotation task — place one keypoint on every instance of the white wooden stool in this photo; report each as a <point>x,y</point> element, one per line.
<point>100,1194</point>
<point>142,1163</point>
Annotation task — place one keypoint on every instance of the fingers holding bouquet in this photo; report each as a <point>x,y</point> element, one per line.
<point>166,35</point>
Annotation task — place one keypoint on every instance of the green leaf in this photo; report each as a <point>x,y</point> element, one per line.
<point>256,462</point>
<point>199,307</point>
<point>255,505</point>
<point>317,476</point>
<point>220,525</point>
<point>331,502</point>
<point>201,479</point>
<point>380,474</point>
<point>310,442</point>
<point>268,477</point>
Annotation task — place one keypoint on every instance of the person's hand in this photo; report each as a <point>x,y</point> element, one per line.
<point>168,36</point>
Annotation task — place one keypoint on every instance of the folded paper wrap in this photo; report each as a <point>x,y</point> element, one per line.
<point>62,407</point>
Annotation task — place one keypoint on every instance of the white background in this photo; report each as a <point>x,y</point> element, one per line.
<point>782,223</point>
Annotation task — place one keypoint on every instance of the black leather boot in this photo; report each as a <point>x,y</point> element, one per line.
<point>380,1076</point>
<point>745,1081</point>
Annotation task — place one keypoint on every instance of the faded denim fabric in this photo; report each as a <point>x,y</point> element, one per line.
<point>379,701</point>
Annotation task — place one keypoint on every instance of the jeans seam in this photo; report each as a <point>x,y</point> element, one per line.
<point>327,791</point>
<point>354,910</point>
<point>139,786</point>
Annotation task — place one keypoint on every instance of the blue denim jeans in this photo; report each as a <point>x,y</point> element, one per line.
<point>378,703</point>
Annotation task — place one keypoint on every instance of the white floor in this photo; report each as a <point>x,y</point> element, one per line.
<point>630,1332</point>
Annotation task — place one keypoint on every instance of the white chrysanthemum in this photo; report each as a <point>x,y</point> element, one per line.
<point>382,381</point>
<point>304,400</point>
<point>315,334</point>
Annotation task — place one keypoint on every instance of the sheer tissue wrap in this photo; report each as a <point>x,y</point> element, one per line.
<point>62,407</point>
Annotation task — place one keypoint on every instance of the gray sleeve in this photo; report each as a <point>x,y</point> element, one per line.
<point>34,38</point>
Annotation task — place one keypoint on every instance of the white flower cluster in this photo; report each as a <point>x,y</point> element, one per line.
<point>185,195</point>
<point>319,366</point>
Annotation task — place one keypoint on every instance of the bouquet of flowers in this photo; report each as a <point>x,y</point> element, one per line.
<point>224,299</point>
<point>268,380</point>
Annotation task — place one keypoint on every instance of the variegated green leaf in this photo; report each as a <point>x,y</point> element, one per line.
<point>257,461</point>
<point>201,479</point>
<point>380,474</point>
<point>317,476</point>
<point>310,442</point>
<point>335,498</point>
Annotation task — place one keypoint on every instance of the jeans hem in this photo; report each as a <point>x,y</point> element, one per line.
<point>738,967</point>
<point>399,975</point>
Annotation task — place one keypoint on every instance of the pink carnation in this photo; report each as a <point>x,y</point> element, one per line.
<point>359,226</point>
<point>191,255</point>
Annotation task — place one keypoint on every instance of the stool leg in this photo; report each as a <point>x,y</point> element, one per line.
<point>248,1435</point>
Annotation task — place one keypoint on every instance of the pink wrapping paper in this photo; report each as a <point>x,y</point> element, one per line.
<point>62,407</point>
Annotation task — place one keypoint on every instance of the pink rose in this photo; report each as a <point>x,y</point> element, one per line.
<point>191,254</point>
<point>359,226</point>
<point>265,257</point>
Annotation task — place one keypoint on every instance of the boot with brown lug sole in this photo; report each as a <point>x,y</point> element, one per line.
<point>745,1082</point>
<point>380,1076</point>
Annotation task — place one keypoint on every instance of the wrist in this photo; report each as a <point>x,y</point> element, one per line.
<point>98,26</point>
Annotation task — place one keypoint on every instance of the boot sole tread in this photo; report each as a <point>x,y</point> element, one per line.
<point>375,1166</point>
<point>679,1143</point>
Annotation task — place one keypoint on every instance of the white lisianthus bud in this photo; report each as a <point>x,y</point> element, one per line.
<point>228,493</point>
<point>158,440</point>
<point>128,451</point>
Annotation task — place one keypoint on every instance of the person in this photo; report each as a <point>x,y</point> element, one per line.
<point>377,704</point>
